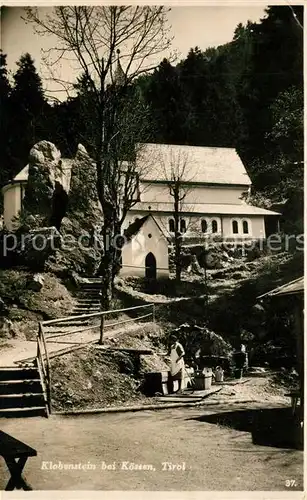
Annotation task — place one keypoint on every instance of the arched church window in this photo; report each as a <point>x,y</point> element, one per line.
<point>183,226</point>
<point>204,226</point>
<point>214,226</point>
<point>235,227</point>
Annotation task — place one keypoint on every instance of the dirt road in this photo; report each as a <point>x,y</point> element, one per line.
<point>185,449</point>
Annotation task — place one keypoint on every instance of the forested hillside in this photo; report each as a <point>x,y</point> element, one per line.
<point>246,94</point>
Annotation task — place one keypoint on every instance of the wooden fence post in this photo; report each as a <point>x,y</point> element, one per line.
<point>38,338</point>
<point>101,330</point>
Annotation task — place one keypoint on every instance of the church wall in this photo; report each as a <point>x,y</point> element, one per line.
<point>12,197</point>
<point>148,239</point>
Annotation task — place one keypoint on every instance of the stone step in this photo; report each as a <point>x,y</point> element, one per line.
<point>34,411</point>
<point>90,295</point>
<point>21,400</point>
<point>93,286</point>
<point>85,310</point>
<point>88,301</point>
<point>17,373</point>
<point>20,386</point>
<point>87,306</point>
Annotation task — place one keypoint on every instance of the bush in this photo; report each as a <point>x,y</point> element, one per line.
<point>194,338</point>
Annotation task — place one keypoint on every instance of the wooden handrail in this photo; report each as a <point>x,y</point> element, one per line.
<point>44,364</point>
<point>42,371</point>
<point>92,315</point>
<point>53,336</point>
<point>48,369</point>
<point>42,352</point>
<point>40,358</point>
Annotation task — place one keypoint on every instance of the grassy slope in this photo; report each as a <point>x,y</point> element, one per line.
<point>89,378</point>
<point>25,307</point>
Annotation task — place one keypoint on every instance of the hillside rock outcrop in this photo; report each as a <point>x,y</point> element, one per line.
<point>46,193</point>
<point>83,186</point>
<point>61,219</point>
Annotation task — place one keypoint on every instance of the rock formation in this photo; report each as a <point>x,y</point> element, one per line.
<point>60,205</point>
<point>46,194</point>
<point>83,186</point>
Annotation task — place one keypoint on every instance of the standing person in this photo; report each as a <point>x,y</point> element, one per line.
<point>243,349</point>
<point>239,359</point>
<point>177,362</point>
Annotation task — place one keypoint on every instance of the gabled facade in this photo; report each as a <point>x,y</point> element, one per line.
<point>145,252</point>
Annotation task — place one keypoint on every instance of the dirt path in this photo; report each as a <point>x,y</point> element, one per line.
<point>212,454</point>
<point>253,389</point>
<point>17,350</point>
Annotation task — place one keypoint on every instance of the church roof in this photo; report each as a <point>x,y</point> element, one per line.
<point>22,176</point>
<point>203,164</point>
<point>205,208</point>
<point>291,288</point>
<point>134,228</point>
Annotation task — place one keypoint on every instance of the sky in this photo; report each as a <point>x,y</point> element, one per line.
<point>204,26</point>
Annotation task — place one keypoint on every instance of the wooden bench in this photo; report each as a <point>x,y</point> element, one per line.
<point>15,454</point>
<point>295,397</point>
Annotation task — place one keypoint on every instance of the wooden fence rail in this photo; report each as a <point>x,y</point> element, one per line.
<point>43,365</point>
<point>42,357</point>
<point>93,315</point>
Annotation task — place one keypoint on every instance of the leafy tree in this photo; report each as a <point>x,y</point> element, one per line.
<point>5,87</point>
<point>163,93</point>
<point>276,64</point>
<point>5,144</point>
<point>29,105</point>
<point>28,90</point>
<point>66,126</point>
<point>287,134</point>
<point>93,36</point>
<point>193,80</point>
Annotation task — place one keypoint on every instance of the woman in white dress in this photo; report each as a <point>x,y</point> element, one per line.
<point>177,362</point>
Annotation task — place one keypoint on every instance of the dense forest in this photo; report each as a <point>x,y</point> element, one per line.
<point>246,94</point>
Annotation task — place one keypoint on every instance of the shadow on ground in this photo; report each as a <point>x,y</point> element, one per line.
<point>274,427</point>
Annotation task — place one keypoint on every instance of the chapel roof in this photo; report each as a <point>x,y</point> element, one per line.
<point>204,208</point>
<point>133,229</point>
<point>23,175</point>
<point>203,164</point>
<point>291,288</point>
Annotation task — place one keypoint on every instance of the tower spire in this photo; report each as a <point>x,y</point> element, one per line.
<point>119,75</point>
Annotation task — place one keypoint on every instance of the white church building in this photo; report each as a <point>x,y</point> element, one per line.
<point>214,185</point>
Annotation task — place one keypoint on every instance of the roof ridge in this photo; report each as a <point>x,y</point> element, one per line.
<point>280,287</point>
<point>187,145</point>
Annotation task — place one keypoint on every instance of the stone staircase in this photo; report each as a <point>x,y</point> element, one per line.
<point>21,392</point>
<point>88,301</point>
<point>88,297</point>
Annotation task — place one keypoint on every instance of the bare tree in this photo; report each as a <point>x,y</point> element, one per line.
<point>176,173</point>
<point>93,37</point>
